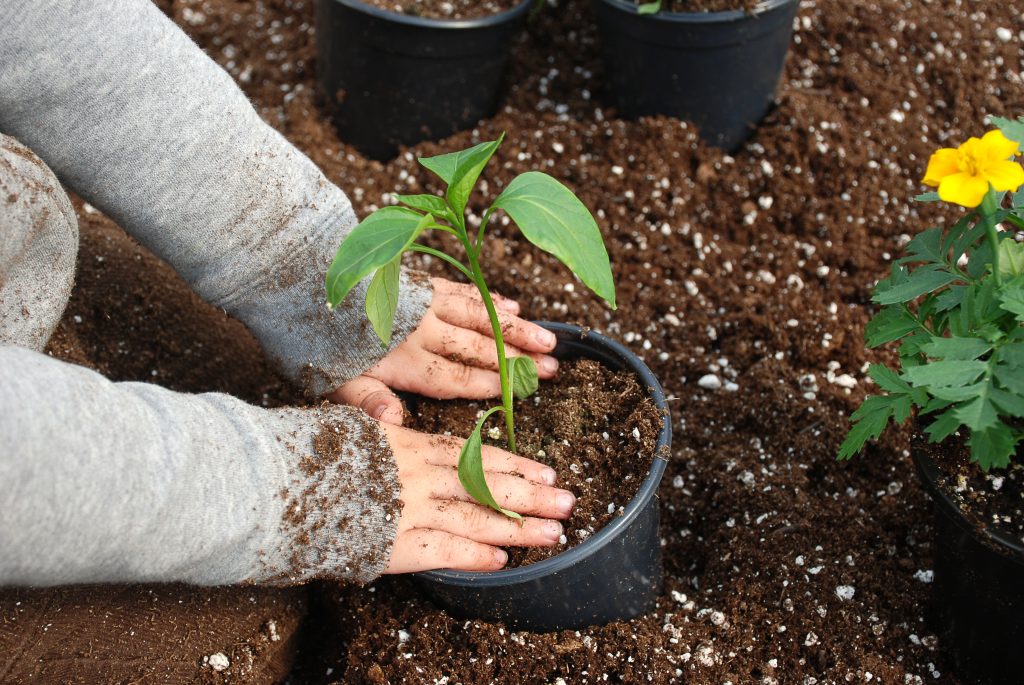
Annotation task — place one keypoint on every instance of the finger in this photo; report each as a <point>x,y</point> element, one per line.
<point>424,550</point>
<point>466,312</point>
<point>511,492</point>
<point>373,397</point>
<point>481,524</point>
<point>446,287</point>
<point>496,460</point>
<point>444,379</point>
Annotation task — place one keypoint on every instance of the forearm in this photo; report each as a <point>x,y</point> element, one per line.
<point>129,482</point>
<point>129,112</point>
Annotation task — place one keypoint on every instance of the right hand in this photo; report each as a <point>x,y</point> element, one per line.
<point>441,526</point>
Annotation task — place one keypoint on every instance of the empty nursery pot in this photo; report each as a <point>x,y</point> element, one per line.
<point>394,79</point>
<point>716,69</point>
<point>614,575</point>
<point>978,590</point>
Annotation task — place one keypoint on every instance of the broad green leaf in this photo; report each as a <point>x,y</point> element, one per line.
<point>979,413</point>
<point>958,393</point>
<point>869,421</point>
<point>926,246</point>
<point>945,373</point>
<point>944,426</point>
<point>887,379</point>
<point>1011,258</point>
<point>1014,130</point>
<point>553,218</point>
<point>523,373</point>
<point>382,299</point>
<point>951,297</point>
<point>425,203</point>
<point>1010,378</point>
<point>471,469</point>
<point>890,323</point>
<point>955,348</point>
<point>992,447</point>
<point>649,7</point>
<point>460,170</point>
<point>1008,402</point>
<point>928,197</point>
<point>922,280</point>
<point>1012,355</point>
<point>380,238</point>
<point>1011,298</point>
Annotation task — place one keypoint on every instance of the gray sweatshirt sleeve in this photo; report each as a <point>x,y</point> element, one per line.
<point>130,482</point>
<point>129,112</point>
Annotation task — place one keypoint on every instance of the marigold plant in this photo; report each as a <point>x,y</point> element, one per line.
<point>955,304</point>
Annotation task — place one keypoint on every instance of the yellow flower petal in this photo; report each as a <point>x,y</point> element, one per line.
<point>995,147</point>
<point>942,163</point>
<point>963,189</point>
<point>1004,175</point>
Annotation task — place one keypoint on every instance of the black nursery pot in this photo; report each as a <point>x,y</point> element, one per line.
<point>716,69</point>
<point>978,591</point>
<point>394,79</point>
<point>615,574</point>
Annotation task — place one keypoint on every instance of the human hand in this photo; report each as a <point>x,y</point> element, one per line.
<point>451,354</point>
<point>442,527</point>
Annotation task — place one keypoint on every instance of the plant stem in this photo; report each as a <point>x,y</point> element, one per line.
<point>416,247</point>
<point>989,206</point>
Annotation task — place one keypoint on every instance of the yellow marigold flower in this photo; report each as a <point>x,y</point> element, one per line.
<point>963,174</point>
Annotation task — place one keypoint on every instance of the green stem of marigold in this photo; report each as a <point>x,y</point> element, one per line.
<point>989,207</point>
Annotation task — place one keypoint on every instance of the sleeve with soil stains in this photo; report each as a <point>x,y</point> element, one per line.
<point>131,114</point>
<point>131,482</point>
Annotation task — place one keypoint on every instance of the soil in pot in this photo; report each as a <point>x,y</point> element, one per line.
<point>445,9</point>
<point>597,429</point>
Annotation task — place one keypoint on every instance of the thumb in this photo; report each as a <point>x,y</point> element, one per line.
<point>373,397</point>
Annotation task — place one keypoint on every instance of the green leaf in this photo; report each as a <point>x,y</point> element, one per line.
<point>425,203</point>
<point>955,348</point>
<point>887,379</point>
<point>1012,355</point>
<point>979,413</point>
<point>945,373</point>
<point>1008,403</point>
<point>460,170</point>
<point>928,197</point>
<point>553,218</point>
<point>380,238</point>
<point>382,299</point>
<point>992,447</point>
<point>1018,199</point>
<point>1009,377</point>
<point>890,323</point>
<point>1014,130</point>
<point>926,246</point>
<point>922,280</point>
<point>1011,258</point>
<point>471,469</point>
<point>869,421</point>
<point>944,426</point>
<point>649,7</point>
<point>523,372</point>
<point>1011,298</point>
<point>950,298</point>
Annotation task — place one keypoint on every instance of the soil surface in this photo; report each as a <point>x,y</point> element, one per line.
<point>743,281</point>
<point>596,428</point>
<point>446,9</point>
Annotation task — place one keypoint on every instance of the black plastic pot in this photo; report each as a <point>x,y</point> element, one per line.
<point>395,79</point>
<point>978,592</point>
<point>716,69</point>
<point>615,574</point>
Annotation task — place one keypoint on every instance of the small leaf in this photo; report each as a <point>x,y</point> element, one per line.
<point>649,7</point>
<point>890,323</point>
<point>927,197</point>
<point>955,348</point>
<point>471,469</point>
<point>868,423</point>
<point>425,203</point>
<point>1014,130</point>
<point>1011,258</point>
<point>887,379</point>
<point>1012,355</point>
<point>926,246</point>
<point>944,426</point>
<point>992,447</point>
<point>523,372</point>
<point>382,299</point>
<point>553,218</point>
<point>460,170</point>
<point>922,280</point>
<point>1010,378</point>
<point>951,297</point>
<point>1008,402</point>
<point>378,239</point>
<point>945,373</point>
<point>1011,298</point>
<point>979,413</point>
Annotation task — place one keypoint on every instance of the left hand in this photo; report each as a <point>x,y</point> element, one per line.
<point>451,354</point>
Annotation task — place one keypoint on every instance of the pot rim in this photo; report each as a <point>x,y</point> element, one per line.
<point>648,488</point>
<point>701,17</point>
<point>431,23</point>
<point>930,474</point>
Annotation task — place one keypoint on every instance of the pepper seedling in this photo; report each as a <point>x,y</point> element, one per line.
<point>547,213</point>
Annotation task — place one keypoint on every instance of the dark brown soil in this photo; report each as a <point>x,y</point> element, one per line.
<point>705,5</point>
<point>596,428</point>
<point>782,566</point>
<point>446,9</point>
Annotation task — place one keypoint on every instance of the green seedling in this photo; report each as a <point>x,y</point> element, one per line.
<point>547,213</point>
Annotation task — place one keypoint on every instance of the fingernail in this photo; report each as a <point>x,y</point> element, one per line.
<point>545,337</point>
<point>500,556</point>
<point>548,364</point>
<point>378,411</point>
<point>565,501</point>
<point>548,476</point>
<point>552,530</point>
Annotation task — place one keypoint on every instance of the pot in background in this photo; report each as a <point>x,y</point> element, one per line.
<point>716,69</point>
<point>614,575</point>
<point>394,79</point>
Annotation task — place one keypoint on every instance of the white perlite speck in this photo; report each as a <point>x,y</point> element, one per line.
<point>218,661</point>
<point>403,636</point>
<point>1004,34</point>
<point>925,576</point>
<point>845,592</point>
<point>710,382</point>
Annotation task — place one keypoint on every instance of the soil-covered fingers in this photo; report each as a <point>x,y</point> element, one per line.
<point>443,286</point>
<point>468,312</point>
<point>421,549</point>
<point>373,397</point>
<point>511,492</point>
<point>479,523</point>
<point>476,349</point>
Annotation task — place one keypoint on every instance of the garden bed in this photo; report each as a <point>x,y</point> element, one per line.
<point>743,283</point>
